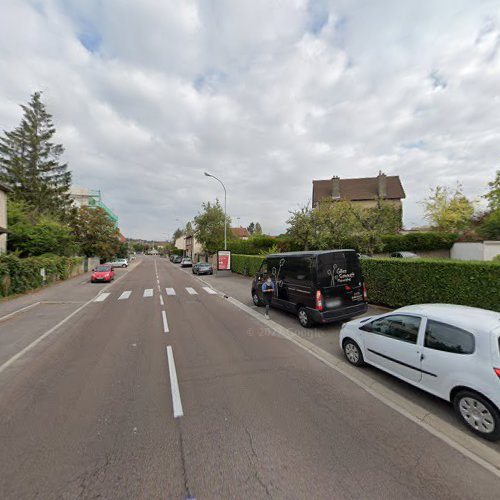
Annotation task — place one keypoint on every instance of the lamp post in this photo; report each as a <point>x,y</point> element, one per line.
<point>225,218</point>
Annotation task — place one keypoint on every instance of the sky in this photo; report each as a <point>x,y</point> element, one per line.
<point>267,95</point>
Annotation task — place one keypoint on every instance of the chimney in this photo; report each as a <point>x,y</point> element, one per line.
<point>335,187</point>
<point>382,185</point>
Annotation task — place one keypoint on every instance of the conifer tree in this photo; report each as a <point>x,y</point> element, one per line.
<point>30,162</point>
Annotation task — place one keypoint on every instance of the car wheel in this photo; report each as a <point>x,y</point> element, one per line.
<point>480,415</point>
<point>353,353</point>
<point>304,318</point>
<point>256,299</point>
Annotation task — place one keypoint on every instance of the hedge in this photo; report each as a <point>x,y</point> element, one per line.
<point>22,275</point>
<point>251,262</point>
<point>415,242</point>
<point>400,282</point>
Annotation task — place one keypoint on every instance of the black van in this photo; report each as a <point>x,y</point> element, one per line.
<point>319,286</point>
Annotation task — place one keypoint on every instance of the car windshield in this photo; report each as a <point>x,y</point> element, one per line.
<point>102,269</point>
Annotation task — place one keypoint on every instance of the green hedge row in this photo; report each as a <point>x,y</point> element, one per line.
<point>415,242</point>
<point>22,275</point>
<point>399,282</point>
<point>252,263</point>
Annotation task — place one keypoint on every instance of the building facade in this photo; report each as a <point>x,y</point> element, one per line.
<point>83,197</point>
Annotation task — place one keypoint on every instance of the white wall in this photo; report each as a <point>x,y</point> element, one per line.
<point>475,251</point>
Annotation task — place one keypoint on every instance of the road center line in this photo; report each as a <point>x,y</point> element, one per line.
<point>165,322</point>
<point>174,385</point>
<point>161,300</point>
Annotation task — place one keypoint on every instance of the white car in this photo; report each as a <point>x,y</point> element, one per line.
<point>450,351</point>
<point>119,263</point>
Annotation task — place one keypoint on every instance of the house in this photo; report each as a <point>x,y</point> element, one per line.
<point>240,232</point>
<point>193,247</point>
<point>3,217</point>
<point>365,191</point>
<point>83,197</point>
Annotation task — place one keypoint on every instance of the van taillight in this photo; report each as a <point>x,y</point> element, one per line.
<point>497,371</point>
<point>365,295</point>
<point>319,301</point>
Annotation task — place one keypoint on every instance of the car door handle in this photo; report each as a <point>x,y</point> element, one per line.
<point>422,357</point>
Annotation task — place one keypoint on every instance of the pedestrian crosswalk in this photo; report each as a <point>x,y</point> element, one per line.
<point>149,292</point>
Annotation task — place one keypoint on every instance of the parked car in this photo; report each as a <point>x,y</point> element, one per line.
<point>177,259</point>
<point>102,273</point>
<point>448,350</point>
<point>404,255</point>
<point>319,287</point>
<point>203,268</point>
<point>186,262</point>
<point>119,263</point>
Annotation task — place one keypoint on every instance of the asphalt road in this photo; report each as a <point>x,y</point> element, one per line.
<point>88,412</point>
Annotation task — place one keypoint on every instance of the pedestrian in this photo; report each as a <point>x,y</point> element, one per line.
<point>267,293</point>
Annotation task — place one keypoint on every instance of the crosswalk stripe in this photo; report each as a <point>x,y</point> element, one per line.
<point>191,291</point>
<point>170,291</point>
<point>148,292</point>
<point>102,297</point>
<point>209,290</point>
<point>125,295</point>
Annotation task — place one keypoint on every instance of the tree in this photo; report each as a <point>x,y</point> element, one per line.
<point>489,227</point>
<point>177,234</point>
<point>251,228</point>
<point>96,233</point>
<point>493,196</point>
<point>301,227</point>
<point>448,210</point>
<point>189,228</point>
<point>29,162</point>
<point>209,226</point>
<point>258,228</point>
<point>34,234</point>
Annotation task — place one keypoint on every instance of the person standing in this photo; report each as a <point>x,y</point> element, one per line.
<point>267,293</point>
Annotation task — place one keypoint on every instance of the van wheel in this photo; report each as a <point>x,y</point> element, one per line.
<point>478,414</point>
<point>353,353</point>
<point>304,318</point>
<point>256,299</point>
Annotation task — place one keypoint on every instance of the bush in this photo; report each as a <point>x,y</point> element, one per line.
<point>400,282</point>
<point>414,242</point>
<point>22,275</point>
<point>251,262</point>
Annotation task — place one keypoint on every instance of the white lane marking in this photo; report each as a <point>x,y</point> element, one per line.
<point>148,292</point>
<point>161,300</point>
<point>165,322</point>
<point>174,385</point>
<point>158,281</point>
<point>102,297</point>
<point>191,291</point>
<point>170,291</point>
<point>125,295</point>
<point>19,310</point>
<point>209,290</point>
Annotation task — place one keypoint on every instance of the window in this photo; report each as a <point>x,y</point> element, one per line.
<point>263,268</point>
<point>443,337</point>
<point>397,326</point>
<point>299,269</point>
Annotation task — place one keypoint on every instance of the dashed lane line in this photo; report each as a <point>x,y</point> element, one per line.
<point>165,322</point>
<point>174,384</point>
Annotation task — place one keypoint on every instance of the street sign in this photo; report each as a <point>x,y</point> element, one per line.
<point>223,260</point>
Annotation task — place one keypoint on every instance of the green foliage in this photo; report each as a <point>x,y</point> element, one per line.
<point>258,228</point>
<point>252,263</point>
<point>493,195</point>
<point>253,246</point>
<point>22,275</point>
<point>448,210</point>
<point>400,282</point>
<point>489,229</point>
<point>496,258</point>
<point>96,233</point>
<point>33,234</point>
<point>209,227</point>
<point>415,242</point>
<point>29,162</point>
<point>251,227</point>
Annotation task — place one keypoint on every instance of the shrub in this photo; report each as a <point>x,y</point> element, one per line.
<point>414,242</point>
<point>400,282</point>
<point>251,262</point>
<point>22,275</point>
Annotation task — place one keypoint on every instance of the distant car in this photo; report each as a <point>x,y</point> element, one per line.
<point>177,259</point>
<point>102,273</point>
<point>186,262</point>
<point>448,350</point>
<point>404,255</point>
<point>203,268</point>
<point>119,263</point>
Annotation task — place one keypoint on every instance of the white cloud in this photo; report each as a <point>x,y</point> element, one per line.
<point>267,95</point>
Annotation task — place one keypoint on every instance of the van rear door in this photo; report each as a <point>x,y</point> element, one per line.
<point>340,279</point>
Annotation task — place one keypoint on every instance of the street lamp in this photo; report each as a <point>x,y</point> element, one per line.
<point>225,218</point>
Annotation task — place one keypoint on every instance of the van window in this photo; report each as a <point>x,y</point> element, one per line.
<point>443,337</point>
<point>263,268</point>
<point>339,269</point>
<point>298,269</point>
<point>397,326</point>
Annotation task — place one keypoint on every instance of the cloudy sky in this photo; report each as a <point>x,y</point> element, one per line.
<point>265,94</point>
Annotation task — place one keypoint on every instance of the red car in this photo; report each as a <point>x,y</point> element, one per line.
<point>102,273</point>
